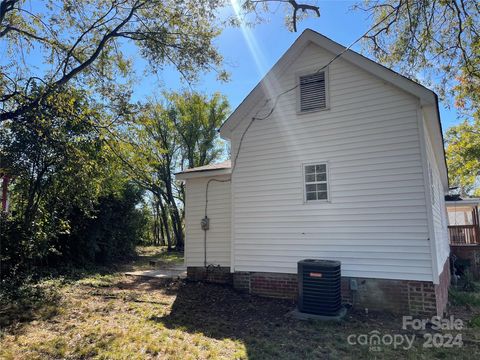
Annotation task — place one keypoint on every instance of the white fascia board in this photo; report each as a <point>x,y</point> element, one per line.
<point>460,203</point>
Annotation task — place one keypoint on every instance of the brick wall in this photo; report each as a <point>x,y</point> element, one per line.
<point>441,290</point>
<point>283,286</point>
<point>241,281</point>
<point>218,275</point>
<point>396,296</point>
<point>421,298</point>
<point>376,294</point>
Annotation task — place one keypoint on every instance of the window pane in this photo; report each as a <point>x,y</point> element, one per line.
<point>316,187</point>
<point>311,187</point>
<point>310,169</point>
<point>321,187</point>
<point>310,178</point>
<point>322,195</point>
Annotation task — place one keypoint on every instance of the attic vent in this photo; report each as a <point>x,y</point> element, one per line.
<point>313,92</point>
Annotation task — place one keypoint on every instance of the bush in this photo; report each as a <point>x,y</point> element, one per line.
<point>108,233</point>
<point>70,200</point>
<point>112,233</point>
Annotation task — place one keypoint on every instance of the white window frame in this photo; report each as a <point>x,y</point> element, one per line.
<point>304,183</point>
<point>327,90</point>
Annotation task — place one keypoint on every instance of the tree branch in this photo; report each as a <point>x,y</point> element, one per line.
<point>5,7</point>
<point>76,70</point>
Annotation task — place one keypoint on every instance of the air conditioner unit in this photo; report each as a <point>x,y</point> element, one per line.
<point>319,284</point>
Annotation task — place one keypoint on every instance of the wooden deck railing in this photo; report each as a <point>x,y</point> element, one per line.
<point>463,234</point>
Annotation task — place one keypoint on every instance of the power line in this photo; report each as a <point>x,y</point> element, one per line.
<point>270,112</point>
<point>277,97</point>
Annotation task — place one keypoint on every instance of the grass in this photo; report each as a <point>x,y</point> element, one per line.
<point>465,298</point>
<point>111,316</point>
<point>148,254</point>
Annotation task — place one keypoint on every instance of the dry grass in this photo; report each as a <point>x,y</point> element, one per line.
<point>111,316</point>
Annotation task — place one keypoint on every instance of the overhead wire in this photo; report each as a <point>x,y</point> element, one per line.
<point>268,114</point>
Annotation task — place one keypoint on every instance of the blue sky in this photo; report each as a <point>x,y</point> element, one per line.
<point>247,59</point>
<point>247,64</point>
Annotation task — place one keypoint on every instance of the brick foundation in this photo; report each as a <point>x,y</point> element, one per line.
<point>282,286</point>
<point>396,296</point>
<point>217,275</point>
<point>441,290</point>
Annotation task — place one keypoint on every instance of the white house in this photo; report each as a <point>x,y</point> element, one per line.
<point>349,166</point>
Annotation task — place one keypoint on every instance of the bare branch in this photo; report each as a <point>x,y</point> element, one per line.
<point>76,70</point>
<point>296,7</point>
<point>304,8</point>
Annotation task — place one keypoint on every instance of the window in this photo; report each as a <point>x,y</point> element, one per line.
<point>315,178</point>
<point>312,94</point>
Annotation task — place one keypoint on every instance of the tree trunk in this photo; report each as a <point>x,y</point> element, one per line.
<point>165,224</point>
<point>174,213</point>
<point>156,224</point>
<point>176,219</point>
<point>177,228</point>
<point>162,232</point>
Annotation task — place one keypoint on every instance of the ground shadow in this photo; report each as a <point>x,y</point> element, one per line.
<point>263,325</point>
<point>32,302</point>
<point>37,297</point>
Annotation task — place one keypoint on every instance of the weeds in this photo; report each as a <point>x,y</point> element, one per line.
<point>110,316</point>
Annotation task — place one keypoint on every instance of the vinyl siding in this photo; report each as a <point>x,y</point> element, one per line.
<point>439,212</point>
<point>218,236</point>
<point>375,222</point>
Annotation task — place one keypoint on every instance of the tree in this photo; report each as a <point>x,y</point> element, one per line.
<point>70,200</point>
<point>58,42</point>
<point>164,139</point>
<point>49,151</point>
<point>463,157</point>
<point>196,120</point>
<point>84,41</point>
<point>436,42</point>
<point>148,147</point>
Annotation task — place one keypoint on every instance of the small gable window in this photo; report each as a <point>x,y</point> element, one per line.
<point>312,92</point>
<point>315,182</point>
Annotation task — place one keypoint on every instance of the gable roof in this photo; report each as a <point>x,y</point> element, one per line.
<point>426,96</point>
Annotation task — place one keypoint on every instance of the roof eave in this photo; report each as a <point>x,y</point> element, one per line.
<point>465,202</point>
<point>202,174</point>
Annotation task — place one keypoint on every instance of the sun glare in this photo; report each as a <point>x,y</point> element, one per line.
<point>271,87</point>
